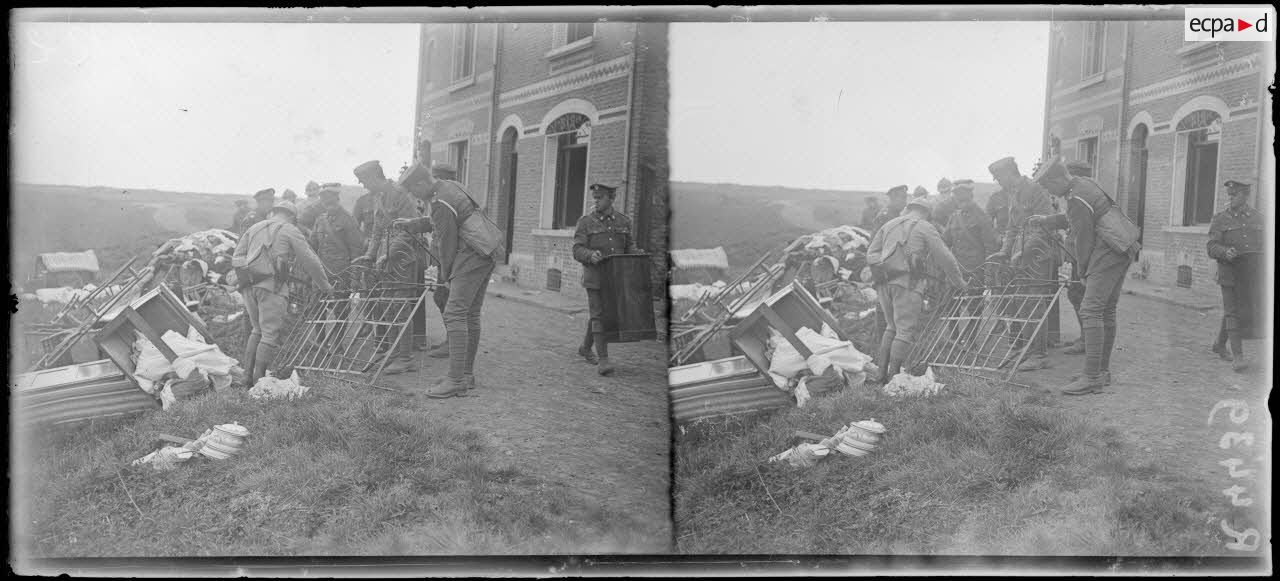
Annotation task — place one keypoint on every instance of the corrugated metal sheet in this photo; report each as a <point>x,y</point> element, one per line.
<point>68,261</point>
<point>75,393</point>
<point>722,387</point>
<point>700,258</point>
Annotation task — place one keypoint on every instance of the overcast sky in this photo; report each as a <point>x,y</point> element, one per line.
<point>854,105</point>
<point>225,108</point>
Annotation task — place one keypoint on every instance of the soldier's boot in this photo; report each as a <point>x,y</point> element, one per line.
<point>250,357</point>
<point>265,354</point>
<point>1106,377</point>
<point>882,358</point>
<point>585,348</point>
<point>1220,344</point>
<point>473,348</point>
<point>402,360</point>
<point>1076,348</point>
<point>455,383</point>
<point>1108,346</point>
<point>604,367</point>
<point>1091,381</point>
<point>1034,362</point>
<point>898,353</point>
<point>1238,362</point>
<point>1084,385</point>
<point>440,351</point>
<point>447,387</point>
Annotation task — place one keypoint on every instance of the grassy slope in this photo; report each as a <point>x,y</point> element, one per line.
<point>337,472</point>
<point>116,223</point>
<point>977,470</point>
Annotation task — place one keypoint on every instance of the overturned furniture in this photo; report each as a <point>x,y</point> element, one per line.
<point>353,334</point>
<point>984,331</point>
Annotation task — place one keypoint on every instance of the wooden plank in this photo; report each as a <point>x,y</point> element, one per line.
<point>150,333</point>
<point>785,328</point>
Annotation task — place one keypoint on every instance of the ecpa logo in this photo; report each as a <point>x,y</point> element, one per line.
<point>1225,24</point>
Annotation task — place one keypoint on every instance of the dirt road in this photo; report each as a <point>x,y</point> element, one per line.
<point>1166,384</point>
<point>603,440</point>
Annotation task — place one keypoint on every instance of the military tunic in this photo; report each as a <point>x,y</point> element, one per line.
<point>609,233</point>
<point>1239,277</point>
<point>970,236</point>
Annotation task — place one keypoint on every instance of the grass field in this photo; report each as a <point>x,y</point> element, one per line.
<point>338,472</point>
<point>978,469</point>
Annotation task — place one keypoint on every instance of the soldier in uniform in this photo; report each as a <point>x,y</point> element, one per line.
<point>335,235</point>
<point>901,255</point>
<point>897,201</point>
<point>242,210</point>
<point>1236,239</point>
<point>1030,251</point>
<point>265,200</point>
<point>466,271</point>
<point>869,213</point>
<point>968,231</point>
<point>600,233</point>
<point>310,208</point>
<point>1075,286</point>
<point>391,250</point>
<point>1101,267</point>
<point>946,205</point>
<point>276,240</point>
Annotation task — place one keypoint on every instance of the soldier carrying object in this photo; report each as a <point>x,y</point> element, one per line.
<point>1093,238</point>
<point>1236,238</point>
<point>900,255</point>
<point>260,259</point>
<point>600,233</point>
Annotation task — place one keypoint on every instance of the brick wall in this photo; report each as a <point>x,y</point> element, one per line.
<point>1163,80</point>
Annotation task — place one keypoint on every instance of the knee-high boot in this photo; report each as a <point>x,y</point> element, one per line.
<point>605,367</point>
<point>473,348</point>
<point>251,357</point>
<point>588,340</point>
<point>897,355</point>
<point>882,356</point>
<point>266,354</point>
<point>1238,361</point>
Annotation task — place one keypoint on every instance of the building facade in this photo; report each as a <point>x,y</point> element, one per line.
<point>1163,123</point>
<point>533,113</point>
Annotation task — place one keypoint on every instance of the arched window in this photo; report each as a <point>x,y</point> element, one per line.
<point>1198,135</point>
<point>569,134</point>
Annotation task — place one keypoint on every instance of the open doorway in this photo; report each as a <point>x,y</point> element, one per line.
<point>507,188</point>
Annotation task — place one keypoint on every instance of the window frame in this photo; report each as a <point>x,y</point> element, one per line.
<point>457,81</point>
<point>460,159</point>
<point>1182,167</point>
<point>1088,50</point>
<point>1091,157</point>
<point>560,44</point>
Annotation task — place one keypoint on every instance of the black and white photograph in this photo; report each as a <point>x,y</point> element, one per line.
<point>338,289</point>
<point>641,290</point>
<point>971,285</point>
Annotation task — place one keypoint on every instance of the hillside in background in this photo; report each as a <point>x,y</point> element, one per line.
<point>115,223</point>
<point>751,220</point>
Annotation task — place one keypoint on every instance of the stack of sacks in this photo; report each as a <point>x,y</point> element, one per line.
<point>834,364</point>
<point>198,366</point>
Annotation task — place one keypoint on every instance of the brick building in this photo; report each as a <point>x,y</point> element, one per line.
<point>533,113</point>
<point>1163,123</point>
